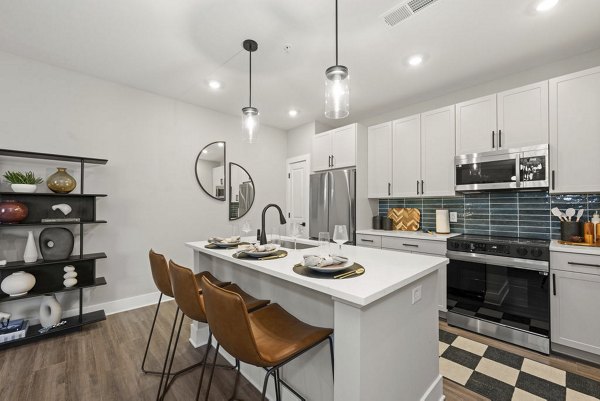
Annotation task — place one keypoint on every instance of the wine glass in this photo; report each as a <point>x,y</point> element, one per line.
<point>340,235</point>
<point>324,242</point>
<point>295,232</point>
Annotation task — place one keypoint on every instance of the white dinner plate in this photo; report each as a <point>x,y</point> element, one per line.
<point>226,244</point>
<point>257,254</point>
<point>331,268</point>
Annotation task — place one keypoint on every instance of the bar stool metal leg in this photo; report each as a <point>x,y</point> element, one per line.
<point>162,376</point>
<point>150,338</point>
<point>169,382</point>
<point>208,345</point>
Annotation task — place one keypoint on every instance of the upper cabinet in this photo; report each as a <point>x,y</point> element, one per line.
<point>523,116</point>
<point>380,161</point>
<point>406,153</point>
<point>437,148</point>
<point>574,132</point>
<point>335,149</point>
<point>510,119</point>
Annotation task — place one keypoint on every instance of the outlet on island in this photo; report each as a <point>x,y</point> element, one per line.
<point>416,294</point>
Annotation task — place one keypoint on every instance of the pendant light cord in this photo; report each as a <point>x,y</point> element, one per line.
<point>250,81</point>
<point>336,32</point>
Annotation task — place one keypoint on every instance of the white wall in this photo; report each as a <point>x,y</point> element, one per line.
<point>299,140</point>
<point>151,143</point>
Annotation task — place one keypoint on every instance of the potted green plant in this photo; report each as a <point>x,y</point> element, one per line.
<point>22,182</point>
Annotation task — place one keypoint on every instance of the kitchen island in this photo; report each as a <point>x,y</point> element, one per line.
<point>385,322</point>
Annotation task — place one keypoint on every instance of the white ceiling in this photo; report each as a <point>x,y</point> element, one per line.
<point>172,47</point>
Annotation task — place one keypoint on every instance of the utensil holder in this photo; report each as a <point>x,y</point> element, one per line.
<point>377,222</point>
<point>570,229</point>
<point>388,224</point>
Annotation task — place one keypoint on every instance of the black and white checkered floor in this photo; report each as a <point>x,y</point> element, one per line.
<point>503,376</point>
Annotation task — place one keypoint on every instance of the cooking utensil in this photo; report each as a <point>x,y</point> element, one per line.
<point>570,212</point>
<point>579,214</point>
<point>360,270</point>
<point>556,211</point>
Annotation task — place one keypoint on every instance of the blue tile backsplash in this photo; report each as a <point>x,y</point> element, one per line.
<point>510,214</point>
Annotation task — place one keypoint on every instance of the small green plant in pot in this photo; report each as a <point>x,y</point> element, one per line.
<point>22,182</point>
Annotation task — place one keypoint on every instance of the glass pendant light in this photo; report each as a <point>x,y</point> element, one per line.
<point>337,89</point>
<point>250,119</point>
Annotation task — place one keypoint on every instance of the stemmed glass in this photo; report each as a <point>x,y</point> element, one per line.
<point>295,232</point>
<point>340,235</point>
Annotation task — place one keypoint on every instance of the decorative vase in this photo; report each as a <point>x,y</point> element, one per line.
<point>56,243</point>
<point>61,182</point>
<point>23,188</point>
<point>12,211</point>
<point>50,311</point>
<point>31,254</point>
<point>17,284</point>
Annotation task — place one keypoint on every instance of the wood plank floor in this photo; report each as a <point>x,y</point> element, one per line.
<point>103,363</point>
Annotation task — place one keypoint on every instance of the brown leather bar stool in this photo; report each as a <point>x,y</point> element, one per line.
<point>189,298</point>
<point>269,337</point>
<point>160,274</point>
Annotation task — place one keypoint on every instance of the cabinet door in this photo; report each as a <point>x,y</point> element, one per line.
<point>476,125</point>
<point>575,132</point>
<point>523,116</point>
<point>437,152</point>
<point>344,147</point>
<point>574,304</point>
<point>406,156</point>
<point>380,161</point>
<point>321,151</point>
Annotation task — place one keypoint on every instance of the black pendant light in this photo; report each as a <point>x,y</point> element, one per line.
<point>337,89</point>
<point>250,120</point>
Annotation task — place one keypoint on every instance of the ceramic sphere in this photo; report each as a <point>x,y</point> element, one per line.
<point>18,283</point>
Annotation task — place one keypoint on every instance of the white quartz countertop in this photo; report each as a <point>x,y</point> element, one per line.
<point>586,250</point>
<point>408,234</point>
<point>386,271</point>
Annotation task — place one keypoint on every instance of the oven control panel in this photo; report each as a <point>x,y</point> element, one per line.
<point>522,249</point>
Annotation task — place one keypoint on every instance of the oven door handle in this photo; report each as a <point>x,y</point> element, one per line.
<point>525,264</point>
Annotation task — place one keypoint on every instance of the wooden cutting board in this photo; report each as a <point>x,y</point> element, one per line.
<point>405,219</point>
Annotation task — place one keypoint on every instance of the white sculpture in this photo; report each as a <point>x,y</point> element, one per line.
<point>50,311</point>
<point>31,254</point>
<point>69,276</point>
<point>18,283</point>
<point>63,207</point>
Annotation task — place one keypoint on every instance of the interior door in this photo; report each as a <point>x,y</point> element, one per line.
<point>380,161</point>
<point>343,145</point>
<point>523,116</point>
<point>297,194</point>
<point>437,152</point>
<point>476,125</point>
<point>321,151</point>
<point>406,157</point>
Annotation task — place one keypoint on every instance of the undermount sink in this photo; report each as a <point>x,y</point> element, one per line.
<point>299,245</point>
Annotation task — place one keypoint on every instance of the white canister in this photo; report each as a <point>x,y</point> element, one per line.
<point>18,283</point>
<point>442,221</point>
<point>50,311</point>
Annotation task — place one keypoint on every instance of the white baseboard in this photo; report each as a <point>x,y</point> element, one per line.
<point>435,392</point>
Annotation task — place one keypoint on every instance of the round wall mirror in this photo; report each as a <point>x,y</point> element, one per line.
<point>210,170</point>
<point>241,191</point>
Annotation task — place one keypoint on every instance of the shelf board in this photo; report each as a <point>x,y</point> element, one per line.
<point>58,223</point>
<point>11,193</point>
<point>51,156</point>
<point>73,324</point>
<point>98,281</point>
<point>20,264</point>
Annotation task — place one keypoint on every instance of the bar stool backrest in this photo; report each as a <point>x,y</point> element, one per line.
<point>160,273</point>
<point>186,292</point>
<point>228,320</point>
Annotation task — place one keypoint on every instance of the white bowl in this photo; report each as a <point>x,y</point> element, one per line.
<point>23,188</point>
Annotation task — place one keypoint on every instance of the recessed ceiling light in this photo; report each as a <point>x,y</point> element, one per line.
<point>214,84</point>
<point>415,60</point>
<point>293,113</point>
<point>545,5</point>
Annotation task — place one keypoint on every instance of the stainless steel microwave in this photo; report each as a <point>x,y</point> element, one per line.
<point>503,169</point>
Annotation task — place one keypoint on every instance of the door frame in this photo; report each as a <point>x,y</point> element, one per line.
<point>288,162</point>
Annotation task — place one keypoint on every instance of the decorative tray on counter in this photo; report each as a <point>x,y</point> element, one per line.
<point>595,245</point>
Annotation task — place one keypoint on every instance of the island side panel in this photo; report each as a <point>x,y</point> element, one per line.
<point>310,374</point>
<point>389,349</point>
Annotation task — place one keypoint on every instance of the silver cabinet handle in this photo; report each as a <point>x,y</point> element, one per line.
<point>412,245</point>
<point>583,264</point>
<point>366,240</point>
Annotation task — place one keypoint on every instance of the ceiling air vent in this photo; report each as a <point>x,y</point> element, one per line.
<point>405,10</point>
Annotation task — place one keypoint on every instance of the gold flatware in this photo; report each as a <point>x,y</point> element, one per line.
<point>360,270</point>
<point>283,255</point>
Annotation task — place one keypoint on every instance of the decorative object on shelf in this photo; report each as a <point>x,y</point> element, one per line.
<point>63,207</point>
<point>210,170</point>
<point>61,182</point>
<point>12,212</point>
<point>377,222</point>
<point>241,191</point>
<point>22,326</point>
<point>44,330</point>
<point>571,231</point>
<point>18,283</point>
<point>56,243</point>
<point>4,319</point>
<point>442,221</point>
<point>3,262</point>
<point>405,219</point>
<point>250,119</point>
<point>50,311</point>
<point>70,276</point>
<point>22,182</point>
<point>337,89</point>
<point>31,254</point>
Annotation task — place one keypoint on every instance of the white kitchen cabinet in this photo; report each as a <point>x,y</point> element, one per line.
<point>380,161</point>
<point>523,116</point>
<point>437,152</point>
<point>574,132</point>
<point>476,129</point>
<point>574,300</point>
<point>406,156</point>
<point>335,149</point>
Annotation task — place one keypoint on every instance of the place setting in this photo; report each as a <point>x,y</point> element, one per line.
<point>225,243</point>
<point>260,252</point>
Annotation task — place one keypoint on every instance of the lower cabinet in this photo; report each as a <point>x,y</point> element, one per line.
<point>574,301</point>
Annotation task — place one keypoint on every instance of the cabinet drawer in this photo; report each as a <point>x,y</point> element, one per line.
<point>370,241</point>
<point>575,262</point>
<point>414,245</point>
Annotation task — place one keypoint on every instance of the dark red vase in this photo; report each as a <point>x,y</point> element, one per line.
<point>12,211</point>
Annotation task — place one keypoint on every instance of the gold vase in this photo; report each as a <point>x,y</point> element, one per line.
<point>61,182</point>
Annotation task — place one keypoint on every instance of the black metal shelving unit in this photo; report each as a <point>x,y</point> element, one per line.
<point>49,273</point>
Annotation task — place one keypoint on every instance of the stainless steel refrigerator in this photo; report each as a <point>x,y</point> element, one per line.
<point>333,202</point>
